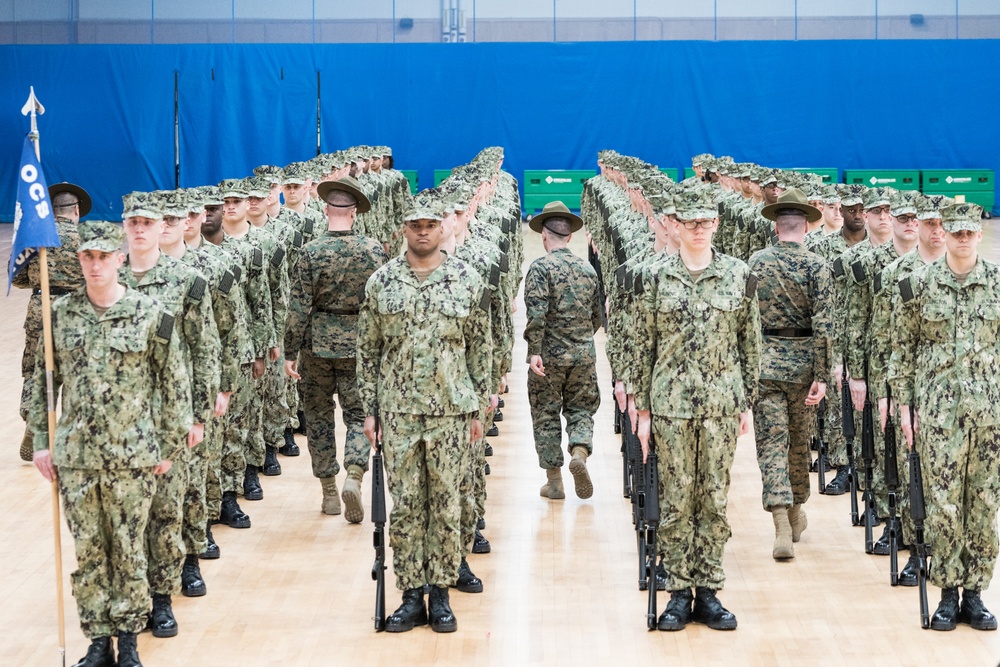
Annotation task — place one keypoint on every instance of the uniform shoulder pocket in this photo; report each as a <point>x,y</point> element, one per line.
<point>226,284</point>
<point>278,257</point>
<point>258,257</point>
<point>197,289</point>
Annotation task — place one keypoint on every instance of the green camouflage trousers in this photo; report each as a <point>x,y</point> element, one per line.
<point>107,511</point>
<point>473,492</point>
<point>200,460</point>
<point>32,334</point>
<point>275,416</point>
<point>425,457</point>
<point>572,391</point>
<point>164,530</point>
<point>235,434</point>
<point>783,426</point>
<point>254,445</point>
<point>292,400</point>
<point>833,433</point>
<point>321,380</point>
<point>212,445</point>
<point>961,468</point>
<point>694,458</point>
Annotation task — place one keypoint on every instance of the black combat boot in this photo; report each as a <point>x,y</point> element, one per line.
<point>467,582</point>
<point>212,551</point>
<point>251,484</point>
<point>100,654</point>
<point>231,514</point>
<point>975,613</point>
<point>128,650</point>
<point>839,485</point>
<point>678,611</point>
<point>882,546</point>
<point>498,415</point>
<point>271,466</point>
<point>500,402</point>
<point>910,574</point>
<point>301,430</point>
<point>493,432</point>
<point>192,585</point>
<point>827,466</point>
<point>489,449</point>
<point>481,524</point>
<point>480,545</point>
<point>439,609</point>
<point>290,448</point>
<point>708,610</point>
<point>946,615</point>
<point>161,620</point>
<point>661,578</point>
<point>486,470</point>
<point>410,614</point>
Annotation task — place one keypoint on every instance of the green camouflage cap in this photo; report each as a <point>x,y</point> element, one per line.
<point>874,197</point>
<point>962,216</point>
<point>296,173</point>
<point>233,188</point>
<point>385,151</point>
<point>701,159</point>
<point>273,173</point>
<point>426,206</point>
<point>194,199</point>
<point>211,195</point>
<point>814,191</point>
<point>258,187</point>
<point>829,194</point>
<point>458,197</point>
<point>662,203</point>
<point>697,203</point>
<point>172,203</point>
<point>904,203</point>
<point>742,170</point>
<point>101,236</point>
<point>929,206</point>
<point>768,177</point>
<point>851,194</point>
<point>141,205</point>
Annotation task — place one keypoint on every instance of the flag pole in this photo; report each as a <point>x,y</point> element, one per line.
<point>33,108</point>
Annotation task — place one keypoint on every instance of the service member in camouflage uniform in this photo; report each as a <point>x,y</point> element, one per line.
<point>321,334</point>
<point>126,410</point>
<point>944,366</point>
<point>793,295</point>
<point>563,312</point>
<point>69,203</point>
<point>694,392</point>
<point>424,364</point>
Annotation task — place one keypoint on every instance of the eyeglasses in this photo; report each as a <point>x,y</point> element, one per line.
<point>695,224</point>
<point>171,221</point>
<point>909,219</point>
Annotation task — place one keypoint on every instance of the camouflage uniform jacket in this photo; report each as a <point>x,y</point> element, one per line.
<point>238,336</point>
<point>858,304</point>
<point>109,368</point>
<point>793,292</point>
<point>64,273</point>
<point>563,309</point>
<point>183,293</point>
<point>700,343</point>
<point>327,293</point>
<point>945,360</point>
<point>256,291</point>
<point>424,347</point>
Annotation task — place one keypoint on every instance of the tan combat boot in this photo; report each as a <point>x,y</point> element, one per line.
<point>553,489</point>
<point>27,445</point>
<point>581,478</point>
<point>782,534</point>
<point>797,517</point>
<point>354,511</point>
<point>331,501</point>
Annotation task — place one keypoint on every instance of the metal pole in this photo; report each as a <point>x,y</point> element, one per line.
<point>554,39</point>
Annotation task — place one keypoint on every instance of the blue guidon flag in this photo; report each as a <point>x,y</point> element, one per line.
<point>34,223</point>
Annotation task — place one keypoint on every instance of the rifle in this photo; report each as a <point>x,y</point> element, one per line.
<point>820,445</point>
<point>918,512</point>
<point>378,518</point>
<point>892,482</point>
<point>847,427</point>
<point>634,467</point>
<point>621,426</point>
<point>868,456</point>
<point>649,502</point>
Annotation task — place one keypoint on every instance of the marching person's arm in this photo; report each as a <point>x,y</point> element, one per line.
<point>174,384</point>
<point>369,357</point>
<point>38,414</point>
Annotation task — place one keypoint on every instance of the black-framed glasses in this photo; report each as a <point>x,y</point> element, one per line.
<point>695,224</point>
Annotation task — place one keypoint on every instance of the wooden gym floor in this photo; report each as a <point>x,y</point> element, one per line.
<point>561,588</point>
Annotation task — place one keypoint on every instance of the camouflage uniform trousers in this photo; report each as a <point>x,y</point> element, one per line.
<point>235,434</point>
<point>275,415</point>
<point>878,462</point>
<point>107,511</point>
<point>694,487</point>
<point>254,448</point>
<point>903,489</point>
<point>783,427</point>
<point>165,528</point>
<point>572,391</point>
<point>292,400</point>
<point>473,492</point>
<point>212,445</point>
<point>833,433</point>
<point>321,379</point>
<point>32,332</point>
<point>196,502</point>
<point>961,468</point>
<point>425,458</point>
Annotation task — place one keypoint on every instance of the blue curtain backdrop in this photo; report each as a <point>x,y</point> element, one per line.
<point>109,121</point>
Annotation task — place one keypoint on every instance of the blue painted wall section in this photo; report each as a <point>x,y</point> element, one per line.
<point>110,109</point>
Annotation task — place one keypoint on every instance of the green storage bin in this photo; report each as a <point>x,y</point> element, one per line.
<point>556,181</point>
<point>960,181</point>
<point>689,172</point>
<point>534,203</point>
<point>672,173</point>
<point>440,175</point>
<point>411,176</point>
<point>829,174</point>
<point>901,179</point>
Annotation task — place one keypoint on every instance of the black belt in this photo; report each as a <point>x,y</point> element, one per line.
<point>788,333</point>
<point>54,291</point>
<point>338,311</point>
